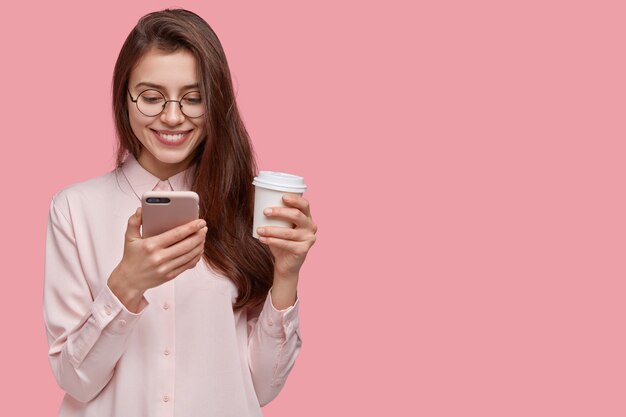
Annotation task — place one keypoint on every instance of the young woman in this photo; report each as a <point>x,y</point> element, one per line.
<point>201,320</point>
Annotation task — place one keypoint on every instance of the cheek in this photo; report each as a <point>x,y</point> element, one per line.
<point>137,126</point>
<point>201,133</point>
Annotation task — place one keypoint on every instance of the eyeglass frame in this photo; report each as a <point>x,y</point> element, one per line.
<point>180,105</point>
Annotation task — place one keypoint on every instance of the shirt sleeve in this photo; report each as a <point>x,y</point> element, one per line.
<point>274,344</point>
<point>87,333</point>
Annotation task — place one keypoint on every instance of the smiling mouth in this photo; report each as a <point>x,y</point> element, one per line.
<point>172,139</point>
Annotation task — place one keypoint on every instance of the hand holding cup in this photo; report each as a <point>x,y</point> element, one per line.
<point>283,221</point>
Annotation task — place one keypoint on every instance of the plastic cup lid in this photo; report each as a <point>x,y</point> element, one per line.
<point>280,181</point>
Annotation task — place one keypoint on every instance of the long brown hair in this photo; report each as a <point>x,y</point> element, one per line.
<point>225,165</point>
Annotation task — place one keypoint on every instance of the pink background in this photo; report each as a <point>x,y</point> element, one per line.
<point>466,169</point>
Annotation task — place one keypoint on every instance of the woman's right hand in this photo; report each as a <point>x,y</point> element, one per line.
<point>152,261</point>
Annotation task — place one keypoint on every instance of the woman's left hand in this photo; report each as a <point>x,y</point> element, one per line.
<point>289,245</point>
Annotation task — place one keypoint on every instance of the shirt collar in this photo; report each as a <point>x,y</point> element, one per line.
<point>141,180</point>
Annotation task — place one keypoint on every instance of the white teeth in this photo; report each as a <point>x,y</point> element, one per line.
<point>171,138</point>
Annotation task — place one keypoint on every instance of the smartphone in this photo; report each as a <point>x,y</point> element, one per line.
<point>165,210</point>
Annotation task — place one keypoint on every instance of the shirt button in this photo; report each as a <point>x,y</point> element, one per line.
<point>107,310</point>
<point>166,398</point>
<point>166,352</point>
<point>271,323</point>
<point>166,306</point>
<point>122,323</point>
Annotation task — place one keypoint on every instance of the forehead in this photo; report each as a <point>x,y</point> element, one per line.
<point>172,70</point>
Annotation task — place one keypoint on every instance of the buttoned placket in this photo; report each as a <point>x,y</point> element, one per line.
<point>165,348</point>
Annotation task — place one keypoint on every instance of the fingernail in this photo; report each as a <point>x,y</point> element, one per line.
<point>260,230</point>
<point>201,224</point>
<point>287,197</point>
<point>267,211</point>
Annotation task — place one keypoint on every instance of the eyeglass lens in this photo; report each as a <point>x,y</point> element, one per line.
<point>152,103</point>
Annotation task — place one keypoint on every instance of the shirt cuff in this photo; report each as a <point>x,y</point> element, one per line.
<point>109,311</point>
<point>279,323</point>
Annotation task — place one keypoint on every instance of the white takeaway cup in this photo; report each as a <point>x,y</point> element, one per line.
<point>268,192</point>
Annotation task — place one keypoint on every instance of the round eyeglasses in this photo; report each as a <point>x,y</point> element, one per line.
<point>152,102</point>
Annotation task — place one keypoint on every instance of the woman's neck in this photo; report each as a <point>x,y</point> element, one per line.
<point>163,170</point>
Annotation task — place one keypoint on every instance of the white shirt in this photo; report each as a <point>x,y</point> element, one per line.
<point>186,353</point>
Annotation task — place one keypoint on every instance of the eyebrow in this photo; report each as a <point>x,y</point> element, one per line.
<point>152,85</point>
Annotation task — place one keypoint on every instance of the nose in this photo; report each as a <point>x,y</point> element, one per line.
<point>172,115</point>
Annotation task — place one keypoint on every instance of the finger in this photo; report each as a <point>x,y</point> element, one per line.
<point>185,258</point>
<point>297,248</point>
<point>292,215</point>
<point>186,245</point>
<point>134,224</point>
<point>184,263</point>
<point>298,235</point>
<point>179,233</point>
<point>299,202</point>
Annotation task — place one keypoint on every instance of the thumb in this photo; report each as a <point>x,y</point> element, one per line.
<point>134,223</point>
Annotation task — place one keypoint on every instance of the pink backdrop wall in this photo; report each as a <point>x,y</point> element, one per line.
<point>466,169</point>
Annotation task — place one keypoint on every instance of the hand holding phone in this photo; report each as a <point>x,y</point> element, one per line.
<point>172,242</point>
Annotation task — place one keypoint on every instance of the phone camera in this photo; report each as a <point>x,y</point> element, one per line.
<point>157,200</point>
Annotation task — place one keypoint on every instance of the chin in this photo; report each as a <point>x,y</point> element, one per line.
<point>172,158</point>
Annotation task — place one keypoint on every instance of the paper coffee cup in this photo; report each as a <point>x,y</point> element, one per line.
<point>268,192</point>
